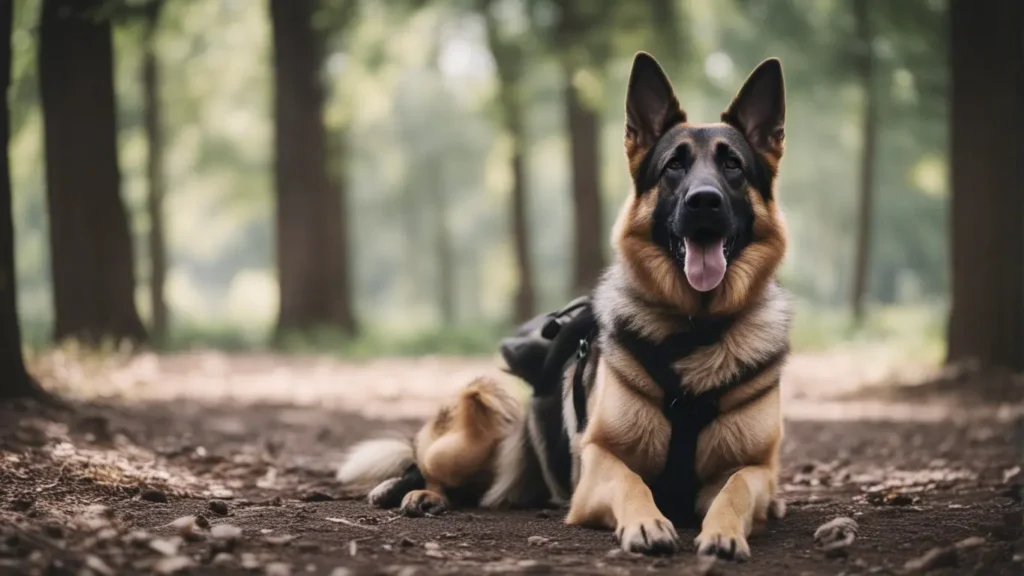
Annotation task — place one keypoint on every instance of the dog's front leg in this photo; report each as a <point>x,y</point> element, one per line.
<point>626,437</point>
<point>610,495</point>
<point>745,495</point>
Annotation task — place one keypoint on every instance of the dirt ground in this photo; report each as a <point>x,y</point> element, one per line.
<point>210,464</point>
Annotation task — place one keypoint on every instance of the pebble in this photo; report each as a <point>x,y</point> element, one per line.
<point>278,569</point>
<point>537,540</point>
<point>406,543</point>
<point>223,558</point>
<point>155,496</point>
<point>226,532</point>
<point>281,540</point>
<point>434,554</point>
<point>218,507</point>
<point>249,561</point>
<point>431,546</point>
<point>97,565</point>
<point>172,565</point>
<point>186,527</point>
<point>166,546</point>
<point>934,558</point>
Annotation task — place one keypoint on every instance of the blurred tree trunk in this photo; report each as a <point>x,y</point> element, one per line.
<point>445,272</point>
<point>584,125</point>
<point>987,320</point>
<point>584,139</point>
<point>869,134</point>
<point>508,56</point>
<point>91,247</point>
<point>154,172</point>
<point>311,244</point>
<point>15,381</point>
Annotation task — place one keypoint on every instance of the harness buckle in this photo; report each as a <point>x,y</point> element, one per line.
<point>583,350</point>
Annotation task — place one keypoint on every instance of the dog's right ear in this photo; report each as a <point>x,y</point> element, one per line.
<point>651,105</point>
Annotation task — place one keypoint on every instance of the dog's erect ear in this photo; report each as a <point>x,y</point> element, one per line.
<point>651,105</point>
<point>759,109</point>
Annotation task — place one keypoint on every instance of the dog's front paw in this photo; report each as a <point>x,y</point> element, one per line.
<point>649,536</point>
<point>726,544</point>
<point>421,502</point>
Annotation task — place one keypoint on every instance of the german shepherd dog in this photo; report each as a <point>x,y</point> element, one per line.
<point>656,401</point>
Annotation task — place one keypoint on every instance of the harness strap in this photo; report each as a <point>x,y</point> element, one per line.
<point>579,391</point>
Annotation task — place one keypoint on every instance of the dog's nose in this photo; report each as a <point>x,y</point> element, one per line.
<point>704,199</point>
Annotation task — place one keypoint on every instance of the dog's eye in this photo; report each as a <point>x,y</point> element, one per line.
<point>674,164</point>
<point>732,163</point>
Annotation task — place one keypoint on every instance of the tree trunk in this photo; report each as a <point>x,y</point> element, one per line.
<point>445,272</point>
<point>311,252</point>
<point>91,248</point>
<point>14,379</point>
<point>869,132</point>
<point>987,320</point>
<point>524,299</point>
<point>508,57</point>
<point>584,139</point>
<point>154,174</point>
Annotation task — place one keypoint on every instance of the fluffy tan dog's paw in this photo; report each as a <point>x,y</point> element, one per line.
<point>648,536</point>
<point>422,502</point>
<point>726,544</point>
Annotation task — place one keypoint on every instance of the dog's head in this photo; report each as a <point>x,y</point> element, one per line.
<point>702,230</point>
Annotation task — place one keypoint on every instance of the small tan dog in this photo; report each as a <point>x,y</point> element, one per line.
<point>668,411</point>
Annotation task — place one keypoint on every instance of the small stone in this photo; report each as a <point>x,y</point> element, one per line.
<point>138,538</point>
<point>406,543</point>
<point>172,565</point>
<point>223,558</point>
<point>614,553</point>
<point>166,546</point>
<point>311,568</point>
<point>934,558</point>
<point>282,540</point>
<point>226,532</point>
<point>218,507</point>
<point>972,542</point>
<point>431,546</point>
<point>202,522</point>
<point>317,496</point>
<point>97,565</point>
<point>434,554</point>
<point>342,571</point>
<point>834,536</point>
<point>537,540</point>
<point>186,527</point>
<point>155,496</point>
<point>278,569</point>
<point>249,561</point>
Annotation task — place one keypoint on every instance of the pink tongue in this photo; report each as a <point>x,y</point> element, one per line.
<point>705,264</point>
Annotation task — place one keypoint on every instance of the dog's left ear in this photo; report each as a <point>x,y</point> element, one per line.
<point>651,104</point>
<point>759,109</point>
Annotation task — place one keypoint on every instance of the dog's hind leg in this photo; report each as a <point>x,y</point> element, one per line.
<point>745,497</point>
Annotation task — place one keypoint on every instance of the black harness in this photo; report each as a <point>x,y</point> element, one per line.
<point>576,328</point>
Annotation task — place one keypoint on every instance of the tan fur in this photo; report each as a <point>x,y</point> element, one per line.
<point>625,443</point>
<point>457,447</point>
<point>626,440</point>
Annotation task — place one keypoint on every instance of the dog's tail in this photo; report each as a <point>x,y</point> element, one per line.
<point>373,461</point>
